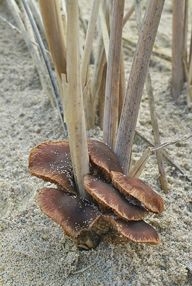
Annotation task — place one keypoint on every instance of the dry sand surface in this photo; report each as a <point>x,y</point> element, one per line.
<point>34,250</point>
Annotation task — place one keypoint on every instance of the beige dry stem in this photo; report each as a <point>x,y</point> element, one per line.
<point>111,108</point>
<point>73,101</point>
<point>137,77</point>
<point>178,45</point>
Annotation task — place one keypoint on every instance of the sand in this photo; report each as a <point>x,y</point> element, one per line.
<point>34,250</point>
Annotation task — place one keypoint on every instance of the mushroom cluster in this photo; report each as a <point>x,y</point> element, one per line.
<point>115,204</point>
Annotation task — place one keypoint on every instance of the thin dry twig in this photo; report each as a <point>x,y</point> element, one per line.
<point>165,155</point>
<point>137,77</point>
<point>154,122</point>
<point>138,167</point>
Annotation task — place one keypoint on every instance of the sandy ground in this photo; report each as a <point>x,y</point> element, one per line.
<point>34,250</point>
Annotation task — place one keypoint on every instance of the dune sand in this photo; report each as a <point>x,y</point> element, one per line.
<point>34,250</point>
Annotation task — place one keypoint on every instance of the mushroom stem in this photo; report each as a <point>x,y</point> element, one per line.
<point>73,101</point>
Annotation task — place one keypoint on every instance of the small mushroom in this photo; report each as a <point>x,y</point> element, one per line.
<point>119,230</point>
<point>109,209</point>
<point>136,231</point>
<point>139,190</point>
<point>51,162</point>
<point>107,196</point>
<point>74,215</point>
<point>103,158</point>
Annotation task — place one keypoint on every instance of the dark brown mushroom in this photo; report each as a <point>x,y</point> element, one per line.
<point>118,230</point>
<point>103,158</point>
<point>71,213</point>
<point>107,196</point>
<point>136,231</point>
<point>51,162</point>
<point>138,189</point>
<point>82,220</point>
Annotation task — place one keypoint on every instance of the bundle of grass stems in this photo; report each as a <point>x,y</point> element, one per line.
<point>86,79</point>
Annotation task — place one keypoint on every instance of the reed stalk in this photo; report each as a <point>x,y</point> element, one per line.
<point>73,99</point>
<point>50,11</point>
<point>127,125</point>
<point>111,108</point>
<point>178,47</point>
<point>154,121</point>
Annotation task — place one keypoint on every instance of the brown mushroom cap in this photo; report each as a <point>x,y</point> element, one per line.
<point>51,162</point>
<point>103,158</point>
<point>136,231</point>
<point>73,214</point>
<point>120,231</point>
<point>107,196</point>
<point>139,190</point>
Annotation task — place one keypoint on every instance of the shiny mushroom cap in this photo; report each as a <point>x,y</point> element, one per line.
<point>107,196</point>
<point>138,189</point>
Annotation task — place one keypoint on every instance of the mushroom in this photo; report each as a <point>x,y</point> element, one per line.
<point>107,196</point>
<point>139,190</point>
<point>51,162</point>
<point>103,158</point>
<point>108,210</point>
<point>71,213</point>
<point>136,231</point>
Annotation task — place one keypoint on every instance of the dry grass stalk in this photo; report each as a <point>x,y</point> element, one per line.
<point>36,14</point>
<point>50,11</point>
<point>128,15</point>
<point>154,122</point>
<point>88,41</point>
<point>86,82</point>
<point>178,47</point>
<point>98,82</point>
<point>121,83</point>
<point>113,75</point>
<point>30,42</point>
<point>189,85</point>
<point>73,100</point>
<point>165,155</point>
<point>99,74</point>
<point>138,167</point>
<point>157,51</point>
<point>136,82</point>
<point>104,23</point>
<point>44,63</point>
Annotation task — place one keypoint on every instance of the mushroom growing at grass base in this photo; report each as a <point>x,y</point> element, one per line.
<point>115,205</point>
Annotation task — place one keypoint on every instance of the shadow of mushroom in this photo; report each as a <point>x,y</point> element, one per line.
<point>116,204</point>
